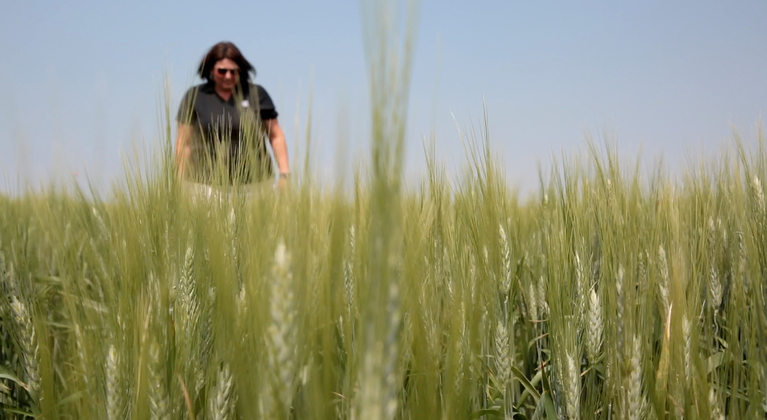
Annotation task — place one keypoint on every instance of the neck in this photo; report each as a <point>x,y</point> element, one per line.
<point>225,94</point>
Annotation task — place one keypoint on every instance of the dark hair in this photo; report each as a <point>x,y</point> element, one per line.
<point>221,51</point>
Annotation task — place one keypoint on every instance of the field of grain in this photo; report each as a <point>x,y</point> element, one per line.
<point>613,293</point>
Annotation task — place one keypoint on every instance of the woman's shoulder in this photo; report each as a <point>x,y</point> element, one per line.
<point>189,103</point>
<point>190,96</point>
<point>202,87</point>
<point>256,88</point>
<point>259,95</point>
<point>258,91</point>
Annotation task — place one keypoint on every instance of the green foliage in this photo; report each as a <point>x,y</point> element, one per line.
<point>608,295</point>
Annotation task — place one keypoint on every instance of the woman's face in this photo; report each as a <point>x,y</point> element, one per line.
<point>226,74</point>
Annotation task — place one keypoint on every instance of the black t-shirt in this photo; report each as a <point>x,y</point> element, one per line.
<point>235,124</point>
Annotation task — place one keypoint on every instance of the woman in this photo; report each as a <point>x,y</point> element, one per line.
<point>223,125</point>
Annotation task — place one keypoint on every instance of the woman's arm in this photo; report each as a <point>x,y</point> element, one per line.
<point>279,146</point>
<point>183,148</point>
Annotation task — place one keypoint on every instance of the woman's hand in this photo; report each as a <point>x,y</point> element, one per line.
<point>280,149</point>
<point>282,182</point>
<point>183,148</point>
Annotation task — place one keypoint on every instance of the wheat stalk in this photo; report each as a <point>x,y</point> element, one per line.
<point>543,304</point>
<point>714,407</point>
<point>29,345</point>
<point>743,264</point>
<point>758,193</point>
<point>620,307</point>
<point>459,346</point>
<point>281,332</point>
<point>714,289</point>
<point>505,261</point>
<point>663,284</point>
<point>379,376</point>
<point>159,403</point>
<point>349,286</point>
<point>687,333</point>
<point>187,307</point>
<point>635,403</point>
<point>503,361</point>
<point>390,365</point>
<point>533,300</point>
<point>573,389</point>
<point>222,399</point>
<point>582,293</point>
<point>205,339</point>
<point>595,327</point>
<point>115,403</point>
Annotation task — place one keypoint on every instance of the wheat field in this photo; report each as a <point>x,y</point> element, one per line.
<point>611,293</point>
<point>608,296</point>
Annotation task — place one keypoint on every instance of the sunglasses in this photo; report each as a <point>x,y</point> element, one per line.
<point>223,71</point>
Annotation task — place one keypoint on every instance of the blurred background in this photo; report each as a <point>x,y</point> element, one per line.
<point>83,81</point>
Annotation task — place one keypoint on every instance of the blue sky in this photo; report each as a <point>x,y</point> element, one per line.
<point>82,79</point>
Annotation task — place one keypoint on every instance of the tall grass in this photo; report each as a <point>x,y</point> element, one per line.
<point>609,295</point>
